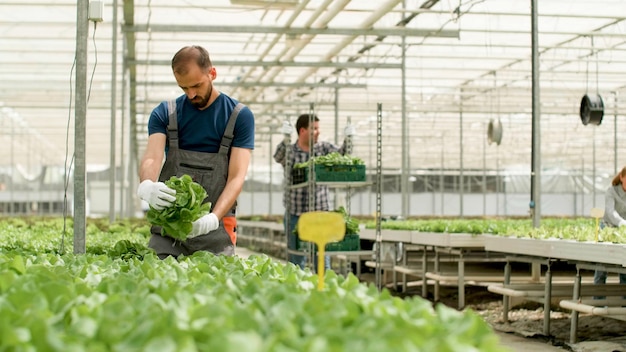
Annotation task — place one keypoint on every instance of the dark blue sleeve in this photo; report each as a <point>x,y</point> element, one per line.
<point>158,119</point>
<point>244,130</point>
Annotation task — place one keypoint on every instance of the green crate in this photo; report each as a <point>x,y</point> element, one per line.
<point>331,173</point>
<point>350,242</point>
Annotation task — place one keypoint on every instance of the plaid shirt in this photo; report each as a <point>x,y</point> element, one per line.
<point>298,199</point>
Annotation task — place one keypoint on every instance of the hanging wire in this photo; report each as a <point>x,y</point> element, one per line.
<point>492,96</point>
<point>495,87</point>
<point>66,166</point>
<point>587,75</point>
<point>592,55</point>
<point>595,53</point>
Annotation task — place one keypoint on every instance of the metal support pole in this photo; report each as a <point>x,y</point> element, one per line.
<point>461,182</point>
<point>123,162</point>
<point>404,264</point>
<point>461,281</point>
<point>271,176</point>
<point>287,181</point>
<point>336,110</point>
<point>498,182</point>
<point>82,32</point>
<point>424,271</point>
<point>11,183</point>
<point>548,298</point>
<point>337,136</point>
<point>379,182</point>
<point>441,177</point>
<point>311,183</point>
<point>349,146</point>
<point>574,317</point>
<point>582,183</point>
<point>437,269</point>
<point>506,300</point>
<point>615,133</point>
<point>485,177</point>
<point>112,166</point>
<point>286,185</point>
<point>404,185</point>
<point>535,196</point>
<point>593,170</point>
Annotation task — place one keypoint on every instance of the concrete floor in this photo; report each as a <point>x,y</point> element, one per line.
<point>523,344</point>
<point>518,343</point>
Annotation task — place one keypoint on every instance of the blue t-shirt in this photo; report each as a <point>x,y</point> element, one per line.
<point>202,130</point>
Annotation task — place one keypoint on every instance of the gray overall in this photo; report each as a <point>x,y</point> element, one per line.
<point>208,169</point>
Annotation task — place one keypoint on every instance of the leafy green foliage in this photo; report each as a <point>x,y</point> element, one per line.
<point>330,159</point>
<point>176,220</point>
<point>32,236</point>
<point>352,226</point>
<point>127,249</point>
<point>579,229</point>
<point>204,302</point>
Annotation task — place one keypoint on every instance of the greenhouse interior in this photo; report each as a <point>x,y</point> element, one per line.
<point>486,134</point>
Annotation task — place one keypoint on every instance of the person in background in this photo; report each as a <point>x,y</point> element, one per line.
<point>297,200</point>
<point>206,135</point>
<point>614,216</point>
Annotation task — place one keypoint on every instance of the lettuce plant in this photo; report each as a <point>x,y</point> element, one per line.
<point>177,219</point>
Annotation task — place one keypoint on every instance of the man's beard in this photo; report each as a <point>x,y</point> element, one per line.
<point>203,101</point>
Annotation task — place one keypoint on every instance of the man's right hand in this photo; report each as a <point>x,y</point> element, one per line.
<point>157,194</point>
<point>287,128</point>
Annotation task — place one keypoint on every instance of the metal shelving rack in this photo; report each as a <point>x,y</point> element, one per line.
<point>312,183</point>
<point>379,185</point>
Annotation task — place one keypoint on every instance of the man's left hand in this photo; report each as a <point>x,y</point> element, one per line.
<point>204,225</point>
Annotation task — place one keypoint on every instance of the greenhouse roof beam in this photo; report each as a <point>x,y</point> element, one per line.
<point>395,31</point>
<point>217,63</point>
<point>267,84</point>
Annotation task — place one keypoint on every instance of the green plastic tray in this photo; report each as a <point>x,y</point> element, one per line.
<point>331,173</point>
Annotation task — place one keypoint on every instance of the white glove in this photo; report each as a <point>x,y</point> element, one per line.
<point>157,194</point>
<point>204,225</point>
<point>287,128</point>
<point>349,131</point>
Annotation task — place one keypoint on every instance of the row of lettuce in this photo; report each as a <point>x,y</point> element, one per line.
<point>579,229</point>
<point>120,297</point>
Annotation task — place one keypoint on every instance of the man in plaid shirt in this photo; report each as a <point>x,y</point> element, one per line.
<point>296,201</point>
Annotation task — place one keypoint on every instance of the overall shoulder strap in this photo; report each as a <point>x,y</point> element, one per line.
<point>227,138</point>
<point>172,126</point>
